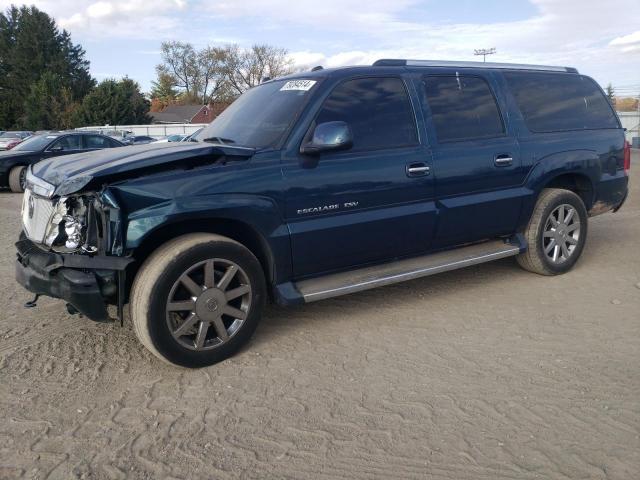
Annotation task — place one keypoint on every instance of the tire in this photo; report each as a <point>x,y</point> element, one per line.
<point>169,323</point>
<point>545,239</point>
<point>16,179</point>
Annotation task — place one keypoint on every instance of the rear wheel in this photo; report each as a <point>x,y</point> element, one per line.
<point>17,177</point>
<point>556,233</point>
<point>197,299</point>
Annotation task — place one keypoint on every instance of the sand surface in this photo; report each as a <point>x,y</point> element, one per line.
<point>484,373</point>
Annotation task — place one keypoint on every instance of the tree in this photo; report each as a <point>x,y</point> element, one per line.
<point>165,87</point>
<point>49,105</point>
<point>198,74</point>
<point>115,103</point>
<point>244,69</point>
<point>210,73</point>
<point>163,92</point>
<point>611,94</point>
<point>180,62</point>
<point>30,46</point>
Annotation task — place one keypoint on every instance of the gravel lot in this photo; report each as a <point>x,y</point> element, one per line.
<point>483,373</point>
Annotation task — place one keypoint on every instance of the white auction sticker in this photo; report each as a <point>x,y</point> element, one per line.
<point>303,85</point>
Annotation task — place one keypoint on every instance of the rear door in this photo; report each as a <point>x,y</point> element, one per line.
<point>371,203</point>
<point>477,163</point>
<point>96,142</point>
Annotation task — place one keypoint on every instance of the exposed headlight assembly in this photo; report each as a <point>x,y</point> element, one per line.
<point>67,229</point>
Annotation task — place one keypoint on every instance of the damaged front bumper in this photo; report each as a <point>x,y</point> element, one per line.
<point>85,282</point>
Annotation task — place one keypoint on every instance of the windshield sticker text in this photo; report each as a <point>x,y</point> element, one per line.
<point>303,85</point>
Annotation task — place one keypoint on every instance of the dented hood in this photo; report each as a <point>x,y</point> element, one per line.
<point>71,173</point>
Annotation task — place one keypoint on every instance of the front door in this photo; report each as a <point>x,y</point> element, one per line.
<point>372,203</point>
<point>65,145</point>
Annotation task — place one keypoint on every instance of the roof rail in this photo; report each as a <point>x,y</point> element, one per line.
<point>394,62</point>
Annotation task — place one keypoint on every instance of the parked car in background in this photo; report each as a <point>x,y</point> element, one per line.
<point>8,140</point>
<point>325,183</point>
<point>37,147</point>
<point>193,136</point>
<point>137,140</point>
<point>172,138</point>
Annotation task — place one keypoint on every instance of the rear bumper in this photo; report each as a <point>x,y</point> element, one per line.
<point>45,273</point>
<point>624,199</point>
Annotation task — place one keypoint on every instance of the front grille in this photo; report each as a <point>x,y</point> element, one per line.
<point>36,213</point>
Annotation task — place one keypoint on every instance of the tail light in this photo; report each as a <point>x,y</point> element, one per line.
<point>627,156</point>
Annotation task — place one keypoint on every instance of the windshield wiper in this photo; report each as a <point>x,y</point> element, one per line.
<point>221,140</point>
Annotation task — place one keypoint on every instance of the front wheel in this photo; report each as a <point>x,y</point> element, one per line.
<point>556,233</point>
<point>197,299</point>
<point>17,177</point>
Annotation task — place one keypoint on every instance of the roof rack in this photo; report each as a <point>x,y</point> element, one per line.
<point>394,62</point>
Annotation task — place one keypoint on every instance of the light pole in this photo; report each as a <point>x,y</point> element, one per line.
<point>484,52</point>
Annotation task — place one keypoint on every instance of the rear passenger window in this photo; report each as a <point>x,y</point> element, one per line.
<point>93,141</point>
<point>462,108</point>
<point>552,102</point>
<point>377,110</point>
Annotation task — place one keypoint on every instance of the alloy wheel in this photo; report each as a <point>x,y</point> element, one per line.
<point>561,234</point>
<point>208,304</point>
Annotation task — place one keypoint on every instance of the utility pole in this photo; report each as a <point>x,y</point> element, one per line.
<point>484,52</point>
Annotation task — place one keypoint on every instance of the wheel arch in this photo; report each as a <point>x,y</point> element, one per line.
<point>577,182</point>
<point>237,230</point>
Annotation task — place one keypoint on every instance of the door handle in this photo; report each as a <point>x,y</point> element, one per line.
<point>503,160</point>
<point>417,169</point>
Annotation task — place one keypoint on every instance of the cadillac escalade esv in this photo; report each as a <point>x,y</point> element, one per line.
<point>321,184</point>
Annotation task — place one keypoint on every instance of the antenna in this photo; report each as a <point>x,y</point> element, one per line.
<point>484,52</point>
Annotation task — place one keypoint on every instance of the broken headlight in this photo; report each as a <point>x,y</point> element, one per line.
<point>69,228</point>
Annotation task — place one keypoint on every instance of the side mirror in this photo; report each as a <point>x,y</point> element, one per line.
<point>57,149</point>
<point>327,137</point>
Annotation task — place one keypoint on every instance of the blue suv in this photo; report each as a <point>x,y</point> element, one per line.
<point>321,184</point>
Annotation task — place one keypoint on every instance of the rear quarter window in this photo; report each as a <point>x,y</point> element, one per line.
<point>553,102</point>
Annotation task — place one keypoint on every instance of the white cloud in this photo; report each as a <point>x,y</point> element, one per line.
<point>599,40</point>
<point>627,43</point>
<point>114,18</point>
<point>566,32</point>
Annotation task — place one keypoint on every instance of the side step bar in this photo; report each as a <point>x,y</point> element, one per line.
<point>379,275</point>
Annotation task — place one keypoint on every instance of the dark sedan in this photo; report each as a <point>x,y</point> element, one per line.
<point>138,140</point>
<point>13,162</point>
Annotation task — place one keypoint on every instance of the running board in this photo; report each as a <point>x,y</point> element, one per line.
<point>377,276</point>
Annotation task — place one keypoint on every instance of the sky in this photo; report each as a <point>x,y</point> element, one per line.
<point>122,37</point>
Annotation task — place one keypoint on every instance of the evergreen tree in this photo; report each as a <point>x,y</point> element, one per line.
<point>49,105</point>
<point>115,103</point>
<point>30,46</point>
<point>611,94</point>
<point>164,87</point>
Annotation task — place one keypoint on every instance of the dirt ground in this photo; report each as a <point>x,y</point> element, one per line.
<point>485,373</point>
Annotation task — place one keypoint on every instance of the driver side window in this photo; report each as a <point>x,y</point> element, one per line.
<point>70,142</point>
<point>376,109</point>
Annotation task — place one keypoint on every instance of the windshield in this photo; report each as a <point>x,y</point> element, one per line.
<point>35,143</point>
<point>11,135</point>
<point>261,116</point>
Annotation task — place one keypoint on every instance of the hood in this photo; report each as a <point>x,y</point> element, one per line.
<point>5,154</point>
<point>70,173</point>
